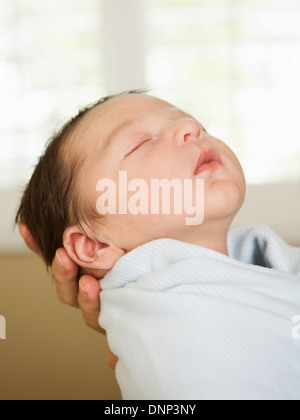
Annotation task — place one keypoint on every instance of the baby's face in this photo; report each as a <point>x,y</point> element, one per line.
<point>150,139</point>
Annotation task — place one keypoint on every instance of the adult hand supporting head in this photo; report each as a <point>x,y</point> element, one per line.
<point>65,272</point>
<point>86,297</point>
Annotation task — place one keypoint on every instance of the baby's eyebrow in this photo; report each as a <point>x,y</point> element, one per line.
<point>116,131</point>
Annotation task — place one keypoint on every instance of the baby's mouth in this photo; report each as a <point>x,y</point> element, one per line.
<point>208,159</point>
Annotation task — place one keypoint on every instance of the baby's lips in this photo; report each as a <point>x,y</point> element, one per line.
<point>207,157</point>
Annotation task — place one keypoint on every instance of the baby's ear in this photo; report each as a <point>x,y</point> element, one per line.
<point>89,252</point>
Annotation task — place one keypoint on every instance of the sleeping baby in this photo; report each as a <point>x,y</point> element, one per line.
<point>192,311</point>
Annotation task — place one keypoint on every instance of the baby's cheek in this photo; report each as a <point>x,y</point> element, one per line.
<point>222,146</point>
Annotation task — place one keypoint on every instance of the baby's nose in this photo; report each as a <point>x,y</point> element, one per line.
<point>187,130</point>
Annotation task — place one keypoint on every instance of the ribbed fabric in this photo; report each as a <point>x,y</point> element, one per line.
<point>190,323</point>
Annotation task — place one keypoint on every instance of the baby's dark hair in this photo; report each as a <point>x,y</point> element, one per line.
<point>50,202</point>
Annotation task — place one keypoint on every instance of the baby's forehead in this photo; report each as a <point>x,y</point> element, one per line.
<point>132,105</point>
<point>101,122</point>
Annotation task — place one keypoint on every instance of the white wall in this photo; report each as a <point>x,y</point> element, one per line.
<point>124,52</point>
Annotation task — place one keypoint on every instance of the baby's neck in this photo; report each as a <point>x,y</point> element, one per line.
<point>222,248</point>
<point>218,245</point>
<point>213,236</point>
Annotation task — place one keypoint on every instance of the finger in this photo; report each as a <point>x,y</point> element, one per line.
<point>89,302</point>
<point>65,272</point>
<point>28,238</point>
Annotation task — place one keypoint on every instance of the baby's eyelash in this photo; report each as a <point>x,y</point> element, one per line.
<point>136,147</point>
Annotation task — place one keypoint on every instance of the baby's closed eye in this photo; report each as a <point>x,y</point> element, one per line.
<point>136,147</point>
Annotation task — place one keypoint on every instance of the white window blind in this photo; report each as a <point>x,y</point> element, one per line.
<point>235,64</point>
<point>50,63</point>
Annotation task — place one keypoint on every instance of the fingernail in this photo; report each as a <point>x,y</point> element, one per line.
<point>82,291</point>
<point>59,263</point>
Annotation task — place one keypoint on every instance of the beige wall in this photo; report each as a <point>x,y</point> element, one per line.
<point>48,353</point>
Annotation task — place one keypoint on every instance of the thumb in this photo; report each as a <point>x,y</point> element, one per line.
<point>89,301</point>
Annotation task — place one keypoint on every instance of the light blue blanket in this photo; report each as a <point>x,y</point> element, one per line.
<point>190,323</point>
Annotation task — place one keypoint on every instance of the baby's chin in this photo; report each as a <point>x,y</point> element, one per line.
<point>223,200</point>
